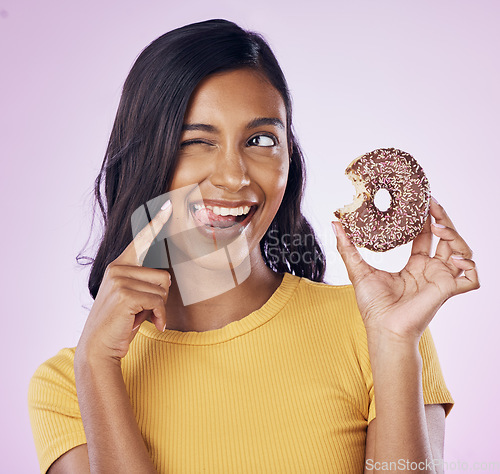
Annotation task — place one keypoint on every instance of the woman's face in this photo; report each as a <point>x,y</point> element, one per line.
<point>232,166</point>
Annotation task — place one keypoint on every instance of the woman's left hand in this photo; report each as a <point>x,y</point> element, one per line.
<point>402,304</point>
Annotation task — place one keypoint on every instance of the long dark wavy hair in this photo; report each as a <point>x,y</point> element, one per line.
<point>142,151</point>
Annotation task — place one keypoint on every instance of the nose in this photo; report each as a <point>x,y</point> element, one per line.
<point>230,172</point>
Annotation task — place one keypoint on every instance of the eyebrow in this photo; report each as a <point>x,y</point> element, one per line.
<point>256,122</point>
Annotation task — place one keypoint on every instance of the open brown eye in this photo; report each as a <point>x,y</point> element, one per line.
<point>263,140</point>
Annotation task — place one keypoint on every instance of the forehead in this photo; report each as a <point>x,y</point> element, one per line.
<point>243,92</point>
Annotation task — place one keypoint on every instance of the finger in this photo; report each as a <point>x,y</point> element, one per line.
<point>443,250</point>
<point>139,319</point>
<point>141,301</point>
<point>144,286</point>
<point>357,268</point>
<point>470,279</point>
<point>155,276</point>
<point>451,242</point>
<point>422,243</point>
<point>136,251</point>
<point>437,211</point>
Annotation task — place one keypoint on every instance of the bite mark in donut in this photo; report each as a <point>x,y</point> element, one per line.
<point>400,174</point>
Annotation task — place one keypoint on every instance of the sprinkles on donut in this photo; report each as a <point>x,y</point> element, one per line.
<point>400,174</point>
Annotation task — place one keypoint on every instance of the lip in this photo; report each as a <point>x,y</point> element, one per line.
<point>222,234</point>
<point>222,203</point>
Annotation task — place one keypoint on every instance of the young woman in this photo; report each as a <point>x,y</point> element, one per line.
<point>233,356</point>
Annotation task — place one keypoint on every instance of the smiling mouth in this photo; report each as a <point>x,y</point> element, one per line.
<point>217,217</point>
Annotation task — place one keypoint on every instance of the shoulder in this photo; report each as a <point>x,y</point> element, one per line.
<point>58,365</point>
<point>338,300</point>
<point>331,306</point>
<point>52,378</point>
<point>53,408</point>
<point>307,285</point>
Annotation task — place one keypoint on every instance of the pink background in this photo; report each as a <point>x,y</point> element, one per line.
<point>421,76</point>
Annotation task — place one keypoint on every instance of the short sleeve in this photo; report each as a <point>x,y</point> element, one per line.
<point>53,408</point>
<point>434,388</point>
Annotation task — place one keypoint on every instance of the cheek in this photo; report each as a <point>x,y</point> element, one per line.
<point>272,181</point>
<point>275,184</point>
<point>185,174</point>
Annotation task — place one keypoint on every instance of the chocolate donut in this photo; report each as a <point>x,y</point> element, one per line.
<point>404,179</point>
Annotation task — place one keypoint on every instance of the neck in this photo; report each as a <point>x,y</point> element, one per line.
<point>232,305</point>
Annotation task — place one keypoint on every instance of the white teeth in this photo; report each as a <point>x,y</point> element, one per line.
<point>225,211</point>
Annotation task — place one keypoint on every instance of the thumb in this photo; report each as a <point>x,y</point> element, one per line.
<point>356,267</point>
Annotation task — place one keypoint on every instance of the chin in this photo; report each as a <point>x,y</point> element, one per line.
<point>222,256</point>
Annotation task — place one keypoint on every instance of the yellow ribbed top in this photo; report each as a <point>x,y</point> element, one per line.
<point>286,389</point>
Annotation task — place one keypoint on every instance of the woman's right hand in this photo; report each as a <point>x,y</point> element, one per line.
<point>129,293</point>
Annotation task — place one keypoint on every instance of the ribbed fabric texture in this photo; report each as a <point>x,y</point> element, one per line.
<point>287,389</point>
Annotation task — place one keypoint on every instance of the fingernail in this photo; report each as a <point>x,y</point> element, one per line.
<point>434,199</point>
<point>334,228</point>
<point>440,226</point>
<point>135,327</point>
<point>166,205</point>
<point>164,327</point>
<point>457,257</point>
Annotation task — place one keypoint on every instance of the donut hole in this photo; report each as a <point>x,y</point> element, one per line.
<point>382,200</point>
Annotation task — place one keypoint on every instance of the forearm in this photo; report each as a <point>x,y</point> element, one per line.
<point>114,440</point>
<point>401,436</point>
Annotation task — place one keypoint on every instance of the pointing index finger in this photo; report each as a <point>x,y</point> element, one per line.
<point>135,252</point>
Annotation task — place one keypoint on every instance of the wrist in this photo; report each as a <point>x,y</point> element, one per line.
<point>91,358</point>
<point>386,347</point>
<point>386,336</point>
